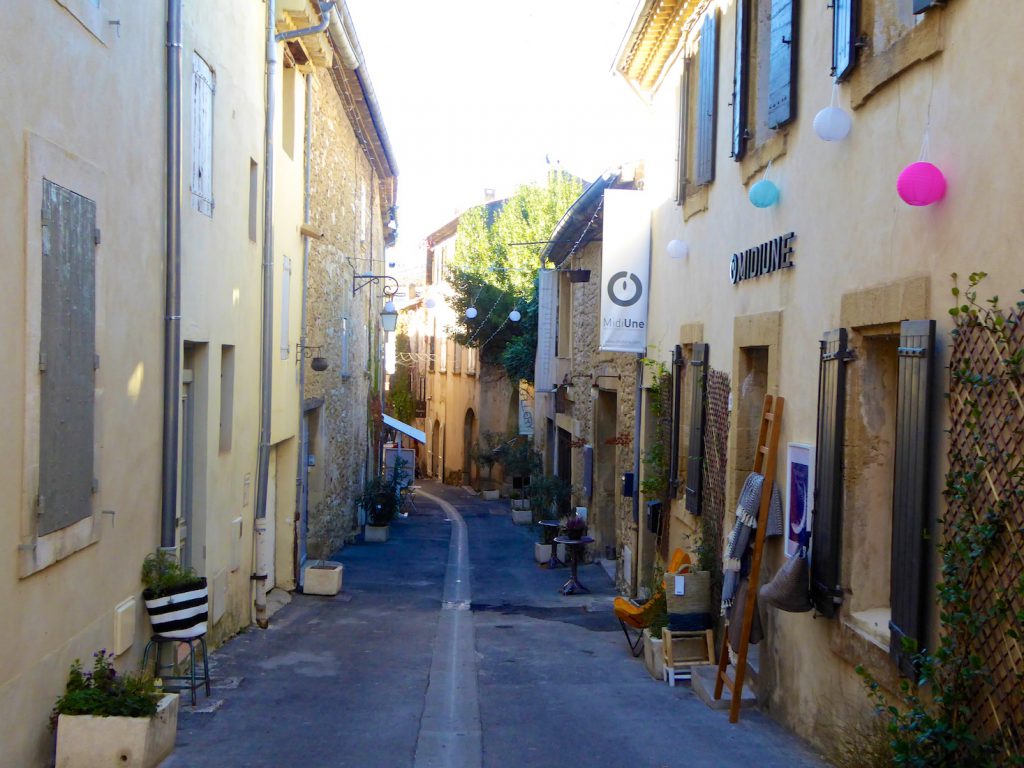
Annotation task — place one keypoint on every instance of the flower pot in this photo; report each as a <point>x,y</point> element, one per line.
<point>493,495</point>
<point>541,552</point>
<point>575,533</point>
<point>522,516</point>
<point>376,533</point>
<point>654,658</point>
<point>179,612</point>
<point>86,741</point>
<point>579,275</point>
<point>322,578</point>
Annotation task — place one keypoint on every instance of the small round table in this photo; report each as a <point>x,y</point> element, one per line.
<point>574,547</point>
<point>554,562</point>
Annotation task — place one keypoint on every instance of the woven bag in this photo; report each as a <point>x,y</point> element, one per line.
<point>697,597</point>
<point>789,589</point>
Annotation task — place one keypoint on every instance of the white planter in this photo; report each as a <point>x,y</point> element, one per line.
<point>377,533</point>
<point>491,495</point>
<point>654,657</point>
<point>560,549</point>
<point>541,552</point>
<point>88,741</point>
<point>520,503</point>
<point>522,516</point>
<point>322,578</point>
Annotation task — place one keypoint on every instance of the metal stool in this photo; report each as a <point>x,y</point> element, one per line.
<point>187,682</point>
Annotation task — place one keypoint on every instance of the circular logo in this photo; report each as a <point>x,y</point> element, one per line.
<point>625,289</point>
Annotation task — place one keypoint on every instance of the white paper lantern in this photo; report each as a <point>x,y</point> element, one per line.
<point>677,249</point>
<point>430,303</point>
<point>832,124</point>
<point>514,316</point>
<point>471,312</point>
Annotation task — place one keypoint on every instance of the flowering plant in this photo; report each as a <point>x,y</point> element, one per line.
<point>102,691</point>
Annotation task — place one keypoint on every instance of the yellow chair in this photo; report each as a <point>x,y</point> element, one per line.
<point>638,617</point>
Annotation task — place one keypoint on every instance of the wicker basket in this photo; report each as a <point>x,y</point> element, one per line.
<point>690,611</point>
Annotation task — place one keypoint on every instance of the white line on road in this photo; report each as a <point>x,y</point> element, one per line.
<point>449,734</point>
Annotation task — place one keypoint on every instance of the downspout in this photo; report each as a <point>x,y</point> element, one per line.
<point>638,407</point>
<point>172,284</point>
<point>302,474</point>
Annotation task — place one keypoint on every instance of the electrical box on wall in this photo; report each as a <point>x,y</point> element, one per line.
<point>124,626</point>
<point>627,484</point>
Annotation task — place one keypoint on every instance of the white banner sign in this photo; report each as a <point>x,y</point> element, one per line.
<point>525,409</point>
<point>625,271</point>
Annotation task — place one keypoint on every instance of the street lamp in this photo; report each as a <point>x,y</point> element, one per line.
<point>388,315</point>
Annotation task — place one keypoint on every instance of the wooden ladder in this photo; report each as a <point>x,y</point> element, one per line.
<point>765,460</point>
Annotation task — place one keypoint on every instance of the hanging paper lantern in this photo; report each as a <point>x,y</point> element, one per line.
<point>764,194</point>
<point>832,124</point>
<point>430,303</point>
<point>677,249</point>
<point>921,183</point>
<point>514,316</point>
<point>471,312</point>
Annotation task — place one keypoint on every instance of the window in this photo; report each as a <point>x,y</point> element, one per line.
<point>456,357</point>
<point>764,82</point>
<point>254,206</point>
<point>67,359</point>
<point>227,395</point>
<point>346,369</point>
<point>471,353</point>
<point>445,343</point>
<point>288,111</point>
<point>286,296</point>
<point>698,107</point>
<point>202,136</point>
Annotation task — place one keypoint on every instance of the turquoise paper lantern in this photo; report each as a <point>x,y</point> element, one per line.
<point>764,194</point>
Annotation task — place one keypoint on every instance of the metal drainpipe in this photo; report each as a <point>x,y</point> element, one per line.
<point>172,284</point>
<point>638,404</point>
<point>302,476</point>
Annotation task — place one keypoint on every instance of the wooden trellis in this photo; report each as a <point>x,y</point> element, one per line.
<point>987,435</point>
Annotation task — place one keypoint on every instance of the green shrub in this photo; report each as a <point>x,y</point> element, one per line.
<point>103,692</point>
<point>162,572</point>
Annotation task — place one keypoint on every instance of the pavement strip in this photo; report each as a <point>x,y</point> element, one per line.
<point>449,734</point>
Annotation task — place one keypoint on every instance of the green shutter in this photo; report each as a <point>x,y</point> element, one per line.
<point>698,413</point>
<point>707,97</point>
<point>782,63</point>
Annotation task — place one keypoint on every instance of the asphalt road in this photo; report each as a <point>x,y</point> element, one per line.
<point>449,647</point>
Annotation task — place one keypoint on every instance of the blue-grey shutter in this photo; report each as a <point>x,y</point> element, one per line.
<point>684,131</point>
<point>828,474</point>
<point>67,358</point>
<point>678,361</point>
<point>845,20</point>
<point>741,80</point>
<point>920,6</point>
<point>782,63</point>
<point>911,479</point>
<point>695,445</point>
<point>707,97</point>
<point>588,471</point>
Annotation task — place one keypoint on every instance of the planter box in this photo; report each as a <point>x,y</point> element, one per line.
<point>491,495</point>
<point>520,503</point>
<point>322,578</point>
<point>87,741</point>
<point>541,552</point>
<point>377,533</point>
<point>181,612</point>
<point>522,516</point>
<point>654,656</point>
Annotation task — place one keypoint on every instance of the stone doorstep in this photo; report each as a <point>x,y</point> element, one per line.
<point>702,681</point>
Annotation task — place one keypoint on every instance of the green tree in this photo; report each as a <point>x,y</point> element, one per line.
<point>491,273</point>
<point>400,401</point>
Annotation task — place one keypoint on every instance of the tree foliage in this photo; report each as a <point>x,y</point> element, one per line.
<point>495,276</point>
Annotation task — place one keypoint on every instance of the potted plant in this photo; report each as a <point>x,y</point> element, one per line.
<point>323,576</point>
<point>575,527</point>
<point>177,600</point>
<point>105,718</point>
<point>381,499</point>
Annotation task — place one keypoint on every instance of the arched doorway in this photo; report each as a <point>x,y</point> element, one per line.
<point>435,449</point>
<point>468,427</point>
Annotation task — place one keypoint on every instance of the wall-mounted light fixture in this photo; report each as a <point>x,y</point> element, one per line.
<point>388,315</point>
<point>304,352</point>
<point>677,249</point>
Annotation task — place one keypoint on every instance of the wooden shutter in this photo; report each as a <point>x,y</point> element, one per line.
<point>741,80</point>
<point>67,358</point>
<point>695,445</point>
<point>587,490</point>
<point>911,478</point>
<point>782,63</point>
<point>684,131</point>
<point>828,473</point>
<point>678,361</point>
<point>920,6</point>
<point>845,20</point>
<point>202,136</point>
<point>706,99</point>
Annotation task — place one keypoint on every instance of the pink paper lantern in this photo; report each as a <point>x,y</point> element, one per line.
<point>921,184</point>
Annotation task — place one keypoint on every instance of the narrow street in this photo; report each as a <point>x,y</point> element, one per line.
<point>395,672</point>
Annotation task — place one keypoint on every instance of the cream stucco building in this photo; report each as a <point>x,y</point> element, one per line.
<point>839,284</point>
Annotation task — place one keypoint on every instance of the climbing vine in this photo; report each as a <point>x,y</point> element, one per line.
<point>655,485</point>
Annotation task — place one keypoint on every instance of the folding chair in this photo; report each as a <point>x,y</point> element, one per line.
<point>636,616</point>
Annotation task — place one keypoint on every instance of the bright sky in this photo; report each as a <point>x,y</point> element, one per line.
<point>476,93</point>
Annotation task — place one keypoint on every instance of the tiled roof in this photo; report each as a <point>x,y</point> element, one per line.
<point>654,36</point>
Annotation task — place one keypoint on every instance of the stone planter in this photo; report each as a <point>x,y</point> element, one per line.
<point>376,533</point>
<point>541,552</point>
<point>522,516</point>
<point>654,658</point>
<point>493,495</point>
<point>87,741</point>
<point>322,578</point>
<point>520,503</point>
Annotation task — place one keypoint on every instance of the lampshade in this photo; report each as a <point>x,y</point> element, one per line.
<point>921,183</point>
<point>764,194</point>
<point>430,303</point>
<point>471,312</point>
<point>389,317</point>
<point>832,124</point>
<point>677,249</point>
<point>514,316</point>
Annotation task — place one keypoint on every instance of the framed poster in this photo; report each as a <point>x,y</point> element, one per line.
<point>799,494</point>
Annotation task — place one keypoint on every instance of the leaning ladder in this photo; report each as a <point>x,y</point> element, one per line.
<point>765,460</point>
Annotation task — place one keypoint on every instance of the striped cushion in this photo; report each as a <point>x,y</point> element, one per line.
<point>182,612</point>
